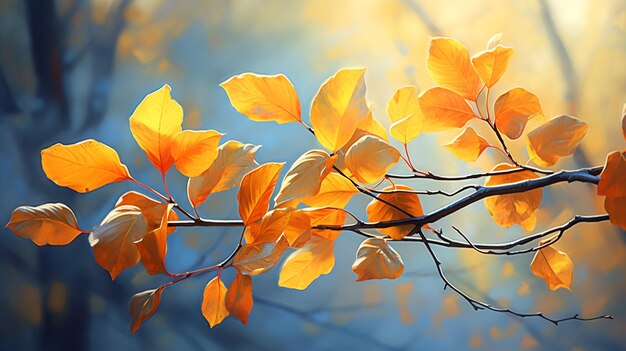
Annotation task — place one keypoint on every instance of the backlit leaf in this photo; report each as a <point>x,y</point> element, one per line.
<point>195,150</point>
<point>378,211</point>
<point>443,109</point>
<point>407,129</point>
<point>214,302</point>
<point>339,107</point>
<point>154,124</point>
<point>152,210</point>
<point>613,177</point>
<point>256,190</point>
<point>513,109</point>
<point>326,216</point>
<point>47,224</point>
<point>307,263</point>
<point>553,266</point>
<point>449,65</point>
<point>554,139</point>
<point>254,259</point>
<point>84,166</point>
<point>370,158</point>
<point>233,161</point>
<point>239,297</point>
<point>335,191</point>
<point>264,98</point>
<point>304,178</point>
<point>269,228</point>
<point>375,259</point>
<point>490,65</point>
<point>468,145</point>
<point>371,125</point>
<point>142,306</point>
<point>517,208</point>
<point>615,206</point>
<point>405,102</point>
<point>298,230</point>
<point>153,246</point>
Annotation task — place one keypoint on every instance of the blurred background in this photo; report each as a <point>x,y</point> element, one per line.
<point>72,70</point>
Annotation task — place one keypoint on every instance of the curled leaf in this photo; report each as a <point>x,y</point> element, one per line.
<point>468,145</point>
<point>214,302</point>
<point>443,109</point>
<point>513,109</point>
<point>47,224</point>
<point>304,178</point>
<point>307,263</point>
<point>449,65</point>
<point>238,299</point>
<point>375,259</point>
<point>142,306</point>
<point>370,158</point>
<point>400,197</point>
<point>255,192</point>
<point>195,150</point>
<point>554,139</point>
<point>553,266</point>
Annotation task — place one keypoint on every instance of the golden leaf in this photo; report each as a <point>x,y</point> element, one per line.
<point>375,259</point>
<point>554,139</point>
<point>151,209</point>
<point>379,211</point>
<point>255,191</point>
<point>490,65</point>
<point>304,178</point>
<point>443,109</point>
<point>269,228</point>
<point>259,258</point>
<point>307,263</point>
<point>613,177</point>
<point>335,191</point>
<point>238,299</point>
<point>214,302</point>
<point>468,145</point>
<point>142,306</point>
<point>326,216</point>
<point>153,246</point>
<point>553,266</point>
<point>47,224</point>
<point>370,158</point>
<point>513,109</point>
<point>449,65</point>
<point>614,206</point>
<point>405,102</point>
<point>195,150</point>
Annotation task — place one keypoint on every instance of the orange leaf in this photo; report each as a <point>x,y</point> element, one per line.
<point>214,302</point>
<point>195,150</point>
<point>614,206</point>
<point>554,139</point>
<point>490,65</point>
<point>264,98</point>
<point>307,263</point>
<point>613,177</point>
<point>142,306</point>
<point>84,166</point>
<point>375,259</point>
<point>153,246</point>
<point>335,191</point>
<point>259,258</point>
<point>449,65</point>
<point>468,145</point>
<point>553,266</point>
<point>47,224</point>
<point>513,109</point>
<point>113,241</point>
<point>370,158</point>
<point>378,211</point>
<point>443,109</point>
<point>517,208</point>
<point>624,121</point>
<point>339,107</point>
<point>326,216</point>
<point>239,297</point>
<point>154,124</point>
<point>233,161</point>
<point>256,189</point>
<point>269,228</point>
<point>152,209</point>
<point>304,178</point>
<point>298,230</point>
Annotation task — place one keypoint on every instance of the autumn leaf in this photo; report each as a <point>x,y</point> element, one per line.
<point>153,246</point>
<point>329,216</point>
<point>491,64</point>
<point>371,126</point>
<point>370,158</point>
<point>517,208</point>
<point>553,266</point>
<point>335,191</point>
<point>624,121</point>
<point>84,166</point>
<point>259,258</point>
<point>614,206</point>
<point>339,107</point>
<point>304,178</point>
<point>443,109</point>
<point>269,228</point>
<point>379,211</point>
<point>142,306</point>
<point>612,184</point>
<point>238,299</point>
<point>154,125</point>
<point>214,302</point>
<point>151,209</point>
<point>307,263</point>
<point>113,241</point>
<point>195,150</point>
<point>375,259</point>
<point>468,145</point>
<point>47,224</point>
<point>404,103</point>
<point>233,161</point>
<point>449,65</point>
<point>255,191</point>
<point>513,109</point>
<point>554,139</point>
<point>298,230</point>
<point>264,98</point>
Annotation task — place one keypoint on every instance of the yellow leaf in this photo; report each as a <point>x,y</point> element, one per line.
<point>370,158</point>
<point>468,145</point>
<point>370,125</point>
<point>214,302</point>
<point>338,108</point>
<point>195,150</point>
<point>553,266</point>
<point>239,297</point>
<point>307,263</point>
<point>255,191</point>
<point>304,178</point>
<point>47,224</point>
<point>335,191</point>
<point>379,211</point>
<point>449,65</point>
<point>614,206</point>
<point>142,306</point>
<point>233,161</point>
<point>510,209</point>
<point>407,129</point>
<point>154,124</point>
<point>443,109</point>
<point>269,228</point>
<point>153,246</point>
<point>264,98</point>
<point>113,241</point>
<point>613,177</point>
<point>259,258</point>
<point>326,216</point>
<point>513,109</point>
<point>375,259</point>
<point>554,139</point>
<point>405,102</point>
<point>84,166</point>
<point>490,65</point>
<point>151,209</point>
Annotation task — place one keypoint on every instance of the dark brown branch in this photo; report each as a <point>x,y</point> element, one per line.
<point>432,176</point>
